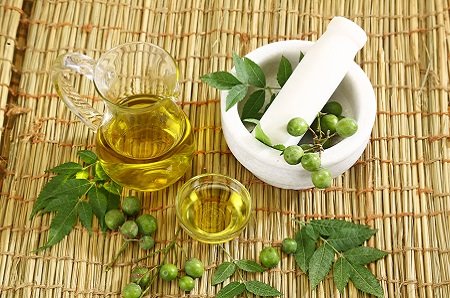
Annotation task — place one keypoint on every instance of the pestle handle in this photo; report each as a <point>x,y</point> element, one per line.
<point>314,80</point>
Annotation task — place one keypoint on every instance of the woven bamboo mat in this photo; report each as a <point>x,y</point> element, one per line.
<point>400,185</point>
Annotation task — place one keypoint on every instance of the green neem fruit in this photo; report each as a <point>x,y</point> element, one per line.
<point>321,178</point>
<point>146,242</point>
<point>311,161</point>
<point>346,127</point>
<point>114,219</point>
<point>293,154</point>
<point>269,257</point>
<point>289,246</point>
<point>332,107</point>
<point>141,276</point>
<point>328,123</point>
<point>194,268</point>
<point>129,229</point>
<point>297,127</point>
<point>147,224</point>
<point>186,283</point>
<point>131,205</point>
<point>168,272</point>
<point>131,290</point>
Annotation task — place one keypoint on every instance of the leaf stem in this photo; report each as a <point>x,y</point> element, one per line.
<point>116,257</point>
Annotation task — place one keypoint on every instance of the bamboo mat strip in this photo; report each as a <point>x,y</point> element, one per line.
<point>400,185</point>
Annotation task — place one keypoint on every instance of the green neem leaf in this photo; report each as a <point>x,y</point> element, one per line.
<point>363,255</point>
<point>261,289</point>
<point>221,80</point>
<point>261,136</point>
<point>68,168</point>
<point>113,201</point>
<point>99,204</point>
<point>241,74</point>
<point>250,266</point>
<point>61,225</point>
<point>232,289</point>
<point>320,264</point>
<point>255,74</point>
<point>58,203</point>
<point>85,214</point>
<point>305,249</point>
<point>279,147</point>
<point>341,273</point>
<point>235,95</point>
<point>311,232</point>
<point>253,104</point>
<point>87,156</point>
<point>327,227</point>
<point>284,71</point>
<point>60,187</point>
<point>365,281</point>
<point>113,187</point>
<point>224,271</point>
<point>301,56</point>
<point>272,98</point>
<point>100,174</point>
<point>345,239</point>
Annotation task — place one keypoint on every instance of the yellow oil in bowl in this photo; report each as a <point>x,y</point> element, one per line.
<point>213,208</point>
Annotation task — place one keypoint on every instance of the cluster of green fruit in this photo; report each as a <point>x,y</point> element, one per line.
<point>144,225</point>
<point>141,277</point>
<point>328,125</point>
<point>269,256</point>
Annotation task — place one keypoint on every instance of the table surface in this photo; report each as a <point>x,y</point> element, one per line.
<point>400,185</point>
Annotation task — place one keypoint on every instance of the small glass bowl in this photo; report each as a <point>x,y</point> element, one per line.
<point>213,208</point>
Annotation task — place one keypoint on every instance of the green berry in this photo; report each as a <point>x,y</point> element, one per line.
<point>114,219</point>
<point>131,290</point>
<point>82,175</point>
<point>321,178</point>
<point>131,205</point>
<point>129,229</point>
<point>168,272</point>
<point>269,257</point>
<point>328,123</point>
<point>289,246</point>
<point>297,127</point>
<point>141,276</point>
<point>194,268</point>
<point>332,107</point>
<point>186,283</point>
<point>293,154</point>
<point>346,127</point>
<point>311,161</point>
<point>147,224</point>
<point>146,242</point>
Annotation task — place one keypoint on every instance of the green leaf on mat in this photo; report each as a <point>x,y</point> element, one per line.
<point>255,74</point>
<point>99,204</point>
<point>249,266</point>
<point>320,264</point>
<point>87,156</point>
<point>284,71</point>
<point>365,281</point>
<point>232,289</point>
<point>85,214</point>
<point>241,74</point>
<point>363,255</point>
<point>113,187</point>
<point>305,249</point>
<point>235,95</point>
<point>224,271</point>
<point>341,273</point>
<point>327,227</point>
<point>253,104</point>
<point>100,174</point>
<point>346,238</point>
<point>68,169</point>
<point>221,80</point>
<point>261,289</point>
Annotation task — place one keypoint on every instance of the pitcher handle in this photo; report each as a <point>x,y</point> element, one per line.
<point>61,70</point>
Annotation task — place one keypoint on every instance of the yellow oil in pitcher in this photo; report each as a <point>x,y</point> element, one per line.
<point>147,146</point>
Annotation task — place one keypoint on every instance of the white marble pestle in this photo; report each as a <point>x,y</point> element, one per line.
<point>314,80</point>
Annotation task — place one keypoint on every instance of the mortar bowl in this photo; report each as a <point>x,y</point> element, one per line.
<point>356,95</point>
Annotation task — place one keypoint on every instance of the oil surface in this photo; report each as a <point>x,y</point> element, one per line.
<point>214,210</point>
<point>147,146</point>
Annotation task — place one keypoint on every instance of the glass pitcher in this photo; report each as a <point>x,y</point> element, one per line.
<point>144,140</point>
